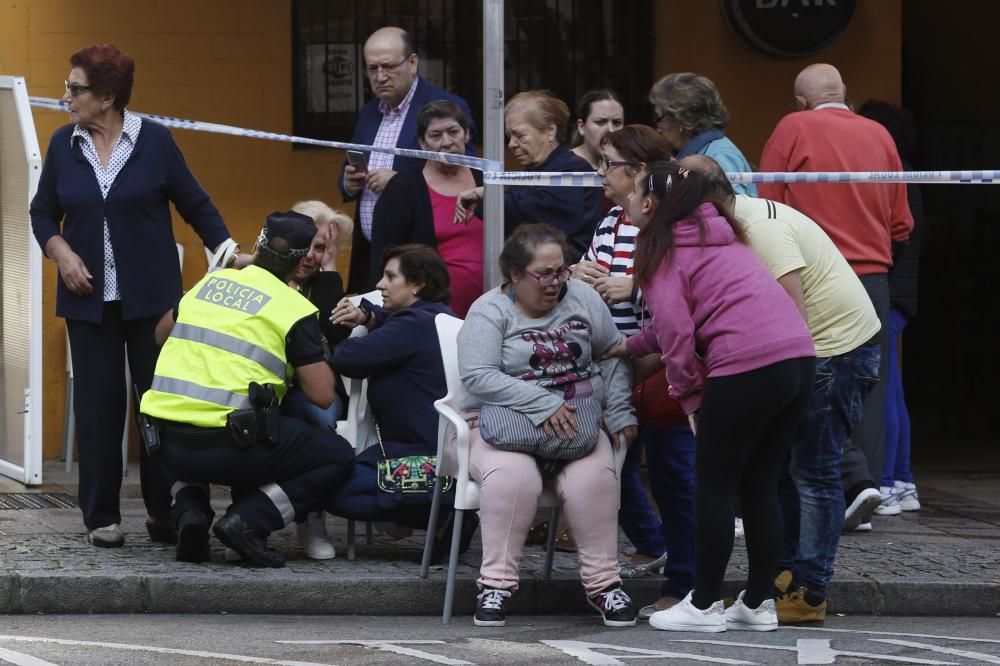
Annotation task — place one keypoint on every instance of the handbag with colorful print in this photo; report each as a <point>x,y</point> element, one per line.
<point>407,479</point>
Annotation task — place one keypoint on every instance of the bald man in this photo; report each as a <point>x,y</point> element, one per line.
<point>388,120</point>
<point>863,220</point>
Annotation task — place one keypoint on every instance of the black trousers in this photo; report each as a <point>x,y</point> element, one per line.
<point>746,426</point>
<point>99,407</point>
<point>308,465</point>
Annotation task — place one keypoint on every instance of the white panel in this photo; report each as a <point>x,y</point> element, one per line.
<point>20,276</point>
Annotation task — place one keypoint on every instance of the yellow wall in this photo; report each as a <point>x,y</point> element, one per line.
<point>220,61</point>
<point>230,62</point>
<point>693,36</point>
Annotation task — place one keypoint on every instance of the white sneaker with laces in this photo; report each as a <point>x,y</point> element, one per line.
<point>859,510</point>
<point>314,538</point>
<point>685,617</point>
<point>908,498</point>
<point>890,502</point>
<point>741,617</point>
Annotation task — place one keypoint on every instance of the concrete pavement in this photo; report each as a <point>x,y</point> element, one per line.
<point>943,560</point>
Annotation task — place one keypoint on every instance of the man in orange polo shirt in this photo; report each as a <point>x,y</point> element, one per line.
<point>864,220</point>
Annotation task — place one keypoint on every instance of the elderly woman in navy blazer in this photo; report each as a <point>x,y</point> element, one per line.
<point>102,213</point>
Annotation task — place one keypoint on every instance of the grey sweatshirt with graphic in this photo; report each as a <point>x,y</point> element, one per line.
<point>506,358</point>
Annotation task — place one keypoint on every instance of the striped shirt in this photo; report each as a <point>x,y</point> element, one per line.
<point>106,180</point>
<point>386,137</point>
<point>613,247</point>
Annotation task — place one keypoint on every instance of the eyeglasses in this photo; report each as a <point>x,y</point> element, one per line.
<point>549,279</point>
<point>74,89</point>
<point>374,69</point>
<point>607,165</point>
<point>660,118</point>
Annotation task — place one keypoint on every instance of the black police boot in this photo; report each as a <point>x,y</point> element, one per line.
<point>233,532</point>
<point>192,536</point>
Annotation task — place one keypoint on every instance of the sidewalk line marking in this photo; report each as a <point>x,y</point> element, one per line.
<point>810,651</point>
<point>892,633</point>
<point>160,650</point>
<point>981,656</point>
<point>21,659</point>
<point>395,647</point>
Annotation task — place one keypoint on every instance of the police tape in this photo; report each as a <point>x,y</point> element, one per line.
<point>493,172</point>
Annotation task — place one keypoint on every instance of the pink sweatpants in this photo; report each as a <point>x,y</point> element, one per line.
<point>510,487</point>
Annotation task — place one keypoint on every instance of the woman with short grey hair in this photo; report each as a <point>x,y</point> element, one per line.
<point>690,115</point>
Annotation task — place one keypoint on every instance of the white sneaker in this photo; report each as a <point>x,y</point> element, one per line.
<point>685,617</point>
<point>738,528</point>
<point>864,527</point>
<point>889,505</point>
<point>109,536</point>
<point>314,538</point>
<point>908,498</point>
<point>859,510</point>
<point>741,617</point>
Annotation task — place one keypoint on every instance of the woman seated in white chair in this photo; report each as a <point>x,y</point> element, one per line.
<point>529,354</point>
<point>401,359</point>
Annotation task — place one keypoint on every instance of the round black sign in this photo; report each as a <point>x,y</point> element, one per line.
<point>789,28</point>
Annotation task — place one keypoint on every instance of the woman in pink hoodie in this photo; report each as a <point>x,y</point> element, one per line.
<point>740,360</point>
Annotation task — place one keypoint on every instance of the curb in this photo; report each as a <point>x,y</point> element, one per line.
<point>270,592</point>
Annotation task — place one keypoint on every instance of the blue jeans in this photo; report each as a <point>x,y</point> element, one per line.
<point>297,406</point>
<point>670,461</point>
<point>812,498</point>
<point>897,418</point>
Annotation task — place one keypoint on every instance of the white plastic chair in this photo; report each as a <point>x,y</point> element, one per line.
<point>466,489</point>
<point>358,426</point>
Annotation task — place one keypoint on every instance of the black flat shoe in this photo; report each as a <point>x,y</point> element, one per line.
<point>233,532</point>
<point>192,537</point>
<point>161,533</point>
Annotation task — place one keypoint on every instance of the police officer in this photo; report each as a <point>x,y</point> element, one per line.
<point>231,345</point>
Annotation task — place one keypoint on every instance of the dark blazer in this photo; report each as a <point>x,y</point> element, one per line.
<point>369,119</point>
<point>403,214</point>
<point>138,212</point>
<point>574,210</point>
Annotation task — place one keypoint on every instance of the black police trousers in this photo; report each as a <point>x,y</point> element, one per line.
<point>271,484</point>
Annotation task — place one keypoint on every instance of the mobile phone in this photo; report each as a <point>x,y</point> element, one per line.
<point>357,160</point>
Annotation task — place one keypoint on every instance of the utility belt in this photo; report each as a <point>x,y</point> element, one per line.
<point>244,427</point>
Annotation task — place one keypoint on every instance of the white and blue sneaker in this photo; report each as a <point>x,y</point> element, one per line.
<point>889,506</point>
<point>908,498</point>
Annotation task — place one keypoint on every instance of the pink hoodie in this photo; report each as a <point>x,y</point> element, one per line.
<point>720,303</point>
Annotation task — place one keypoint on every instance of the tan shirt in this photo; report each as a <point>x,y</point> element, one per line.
<point>841,317</point>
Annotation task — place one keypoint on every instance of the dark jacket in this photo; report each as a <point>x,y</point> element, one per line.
<point>369,119</point>
<point>574,210</point>
<point>402,361</point>
<point>68,201</point>
<point>403,214</point>
<point>903,276</point>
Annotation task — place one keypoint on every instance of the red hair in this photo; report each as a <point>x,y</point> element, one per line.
<point>109,71</point>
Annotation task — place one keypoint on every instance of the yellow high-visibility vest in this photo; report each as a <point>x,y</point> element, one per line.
<point>230,331</point>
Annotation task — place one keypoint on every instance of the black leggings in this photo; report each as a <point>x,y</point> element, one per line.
<point>745,429</point>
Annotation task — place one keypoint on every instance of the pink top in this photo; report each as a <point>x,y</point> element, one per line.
<point>715,299</point>
<point>461,247</point>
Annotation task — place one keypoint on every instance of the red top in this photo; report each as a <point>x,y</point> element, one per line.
<point>461,247</point>
<point>862,219</point>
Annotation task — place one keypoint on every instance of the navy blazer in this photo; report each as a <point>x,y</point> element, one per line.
<point>68,201</point>
<point>369,119</point>
<point>574,210</point>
